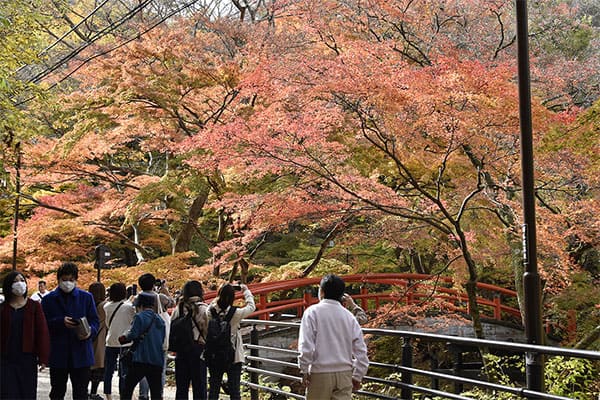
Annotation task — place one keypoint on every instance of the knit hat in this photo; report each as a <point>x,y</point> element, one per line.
<point>144,300</point>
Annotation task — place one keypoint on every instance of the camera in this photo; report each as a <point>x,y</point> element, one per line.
<point>236,287</point>
<point>159,284</point>
<point>131,290</point>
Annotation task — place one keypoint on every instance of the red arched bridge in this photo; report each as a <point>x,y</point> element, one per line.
<point>375,289</point>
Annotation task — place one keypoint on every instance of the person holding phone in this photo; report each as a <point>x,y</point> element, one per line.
<point>70,356</point>
<point>221,305</point>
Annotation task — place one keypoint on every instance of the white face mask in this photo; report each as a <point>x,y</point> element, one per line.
<point>66,286</point>
<point>19,288</point>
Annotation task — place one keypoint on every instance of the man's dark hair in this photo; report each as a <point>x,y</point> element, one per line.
<point>117,291</point>
<point>42,281</point>
<point>332,287</point>
<point>67,268</point>
<point>147,281</point>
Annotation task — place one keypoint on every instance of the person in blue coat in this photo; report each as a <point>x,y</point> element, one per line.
<point>148,334</point>
<point>70,356</point>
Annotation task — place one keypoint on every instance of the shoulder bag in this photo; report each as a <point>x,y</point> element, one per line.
<point>127,355</point>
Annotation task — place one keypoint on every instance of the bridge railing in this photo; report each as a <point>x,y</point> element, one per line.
<point>279,363</point>
<point>407,288</point>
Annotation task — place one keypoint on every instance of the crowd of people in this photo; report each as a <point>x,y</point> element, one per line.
<point>85,336</point>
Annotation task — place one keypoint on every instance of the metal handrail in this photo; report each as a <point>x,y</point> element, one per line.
<point>519,347</point>
<point>271,361</point>
<point>406,368</point>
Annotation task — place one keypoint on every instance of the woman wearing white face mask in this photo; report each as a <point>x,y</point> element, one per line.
<point>24,340</point>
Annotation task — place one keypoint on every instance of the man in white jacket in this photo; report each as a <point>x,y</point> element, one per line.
<point>333,355</point>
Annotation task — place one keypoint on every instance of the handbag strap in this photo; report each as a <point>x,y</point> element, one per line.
<point>138,340</point>
<point>190,311</point>
<point>114,313</point>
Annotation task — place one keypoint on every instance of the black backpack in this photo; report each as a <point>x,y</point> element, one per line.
<point>219,352</point>
<point>181,336</point>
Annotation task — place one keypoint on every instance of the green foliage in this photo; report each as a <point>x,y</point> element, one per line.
<point>572,377</point>
<point>369,257</point>
<point>499,369</point>
<point>6,217</point>
<point>581,296</point>
<point>21,42</point>
<point>575,378</point>
<point>281,249</point>
<point>387,390</point>
<point>386,349</point>
<point>268,382</point>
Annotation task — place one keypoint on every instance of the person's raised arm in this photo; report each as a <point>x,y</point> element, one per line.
<point>249,299</point>
<point>360,314</point>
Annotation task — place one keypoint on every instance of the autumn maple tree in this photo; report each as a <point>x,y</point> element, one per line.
<point>391,125</point>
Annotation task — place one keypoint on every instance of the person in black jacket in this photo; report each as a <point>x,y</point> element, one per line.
<point>190,367</point>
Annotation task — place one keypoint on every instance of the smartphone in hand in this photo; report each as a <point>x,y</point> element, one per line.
<point>71,322</point>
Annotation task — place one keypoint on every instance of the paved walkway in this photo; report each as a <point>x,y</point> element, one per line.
<point>44,388</point>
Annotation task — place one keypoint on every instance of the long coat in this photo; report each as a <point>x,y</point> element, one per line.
<point>35,330</point>
<point>100,341</point>
<point>64,344</point>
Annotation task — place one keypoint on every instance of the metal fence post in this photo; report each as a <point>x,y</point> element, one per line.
<point>534,362</point>
<point>434,365</point>
<point>407,353</point>
<point>457,368</point>
<point>254,363</point>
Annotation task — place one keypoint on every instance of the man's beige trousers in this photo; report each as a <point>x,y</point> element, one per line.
<point>330,385</point>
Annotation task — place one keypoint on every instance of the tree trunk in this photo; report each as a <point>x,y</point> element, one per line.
<point>184,238</point>
<point>321,251</point>
<point>517,263</point>
<point>507,218</point>
<point>244,266</point>
<point>233,271</point>
<point>136,240</point>
<point>471,286</point>
<point>589,339</point>
<point>216,270</point>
